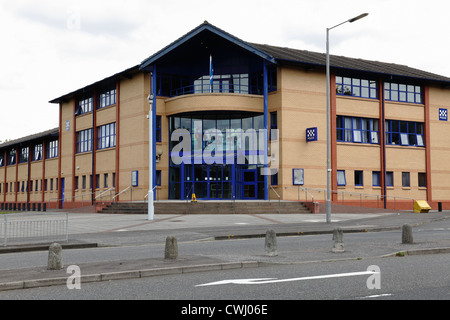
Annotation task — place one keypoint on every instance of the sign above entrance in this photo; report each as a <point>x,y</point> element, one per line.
<point>311,134</point>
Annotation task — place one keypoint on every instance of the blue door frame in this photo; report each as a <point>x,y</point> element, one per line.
<point>250,184</point>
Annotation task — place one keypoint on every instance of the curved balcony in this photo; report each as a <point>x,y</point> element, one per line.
<point>214,102</point>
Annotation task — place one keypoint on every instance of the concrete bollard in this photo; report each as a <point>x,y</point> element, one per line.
<point>338,237</point>
<point>407,236</point>
<point>271,243</point>
<point>171,250</point>
<point>55,261</point>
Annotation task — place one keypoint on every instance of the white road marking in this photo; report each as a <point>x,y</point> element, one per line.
<point>377,296</point>
<point>274,280</point>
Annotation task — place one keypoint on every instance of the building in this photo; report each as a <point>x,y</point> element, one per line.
<point>389,124</point>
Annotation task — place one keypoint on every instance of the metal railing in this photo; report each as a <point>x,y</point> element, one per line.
<point>352,198</point>
<point>279,198</point>
<point>19,228</point>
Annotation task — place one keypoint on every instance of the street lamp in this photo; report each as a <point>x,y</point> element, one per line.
<point>328,204</point>
<point>151,211</point>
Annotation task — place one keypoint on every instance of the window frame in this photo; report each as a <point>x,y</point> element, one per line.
<point>359,174</point>
<point>400,133</point>
<point>342,172</point>
<point>394,91</point>
<point>356,87</point>
<point>106,136</point>
<point>85,141</point>
<point>348,129</point>
<point>406,180</point>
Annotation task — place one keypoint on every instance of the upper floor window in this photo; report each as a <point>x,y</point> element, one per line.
<point>402,93</point>
<point>24,152</point>
<point>84,141</point>
<point>356,87</point>
<point>106,136</point>
<point>355,129</point>
<point>107,98</point>
<point>52,149</point>
<point>37,152</point>
<point>12,157</point>
<point>84,106</point>
<point>2,160</point>
<point>158,129</point>
<point>404,133</point>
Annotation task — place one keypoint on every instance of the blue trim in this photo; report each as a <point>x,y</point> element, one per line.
<point>266,125</point>
<point>147,63</point>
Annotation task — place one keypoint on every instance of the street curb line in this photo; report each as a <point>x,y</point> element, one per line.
<point>416,252</point>
<point>130,274</point>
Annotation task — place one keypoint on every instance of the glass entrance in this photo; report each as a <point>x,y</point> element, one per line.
<point>208,181</point>
<point>250,184</point>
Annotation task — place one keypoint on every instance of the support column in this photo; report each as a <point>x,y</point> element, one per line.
<point>266,125</point>
<point>426,101</point>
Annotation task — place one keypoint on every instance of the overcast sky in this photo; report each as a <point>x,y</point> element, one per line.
<point>53,47</point>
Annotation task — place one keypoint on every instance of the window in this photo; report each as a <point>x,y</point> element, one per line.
<point>355,129</point>
<point>97,181</point>
<point>158,178</point>
<point>84,182</point>
<point>106,136</point>
<point>389,179</point>
<point>84,141</point>
<point>402,93</point>
<point>107,98</point>
<point>405,180</point>
<point>341,181</point>
<point>422,180</point>
<point>2,160</point>
<point>76,182</point>
<point>273,125</point>
<point>356,87</point>
<point>114,179</point>
<point>158,129</point>
<point>52,149</point>
<point>12,157</point>
<point>376,178</point>
<point>358,178</point>
<point>105,180</point>
<point>404,133</point>
<point>37,155</point>
<point>84,106</point>
<point>24,155</point>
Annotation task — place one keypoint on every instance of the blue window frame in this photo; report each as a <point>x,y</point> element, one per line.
<point>2,160</point>
<point>403,92</point>
<point>158,129</point>
<point>84,141</point>
<point>405,133</point>
<point>12,157</point>
<point>24,154</point>
<point>107,98</point>
<point>106,136</point>
<point>273,125</point>
<point>358,130</point>
<point>52,149</point>
<point>37,155</point>
<point>356,87</point>
<point>84,106</point>
<point>376,178</point>
<point>158,178</point>
<point>359,180</point>
<point>341,180</point>
<point>389,179</point>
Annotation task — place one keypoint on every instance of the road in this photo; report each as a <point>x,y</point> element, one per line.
<point>411,277</point>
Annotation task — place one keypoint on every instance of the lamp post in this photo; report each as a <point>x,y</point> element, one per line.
<point>150,159</point>
<point>328,204</point>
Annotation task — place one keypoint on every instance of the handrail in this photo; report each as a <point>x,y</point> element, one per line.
<point>279,198</point>
<point>124,190</point>
<point>101,194</point>
<point>342,193</point>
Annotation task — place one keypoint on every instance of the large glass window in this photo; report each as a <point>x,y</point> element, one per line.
<point>84,106</point>
<point>107,98</point>
<point>355,129</point>
<point>106,136</point>
<point>403,92</point>
<point>52,149</point>
<point>84,141</point>
<point>356,87</point>
<point>405,133</point>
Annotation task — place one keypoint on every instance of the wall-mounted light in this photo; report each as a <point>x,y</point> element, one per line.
<point>159,153</point>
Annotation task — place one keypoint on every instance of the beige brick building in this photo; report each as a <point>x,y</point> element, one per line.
<point>389,131</point>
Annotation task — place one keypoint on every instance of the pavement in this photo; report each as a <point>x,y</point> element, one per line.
<point>121,230</point>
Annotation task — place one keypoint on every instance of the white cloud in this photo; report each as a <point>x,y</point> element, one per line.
<point>52,47</point>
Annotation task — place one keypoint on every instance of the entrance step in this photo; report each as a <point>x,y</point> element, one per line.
<point>209,207</point>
